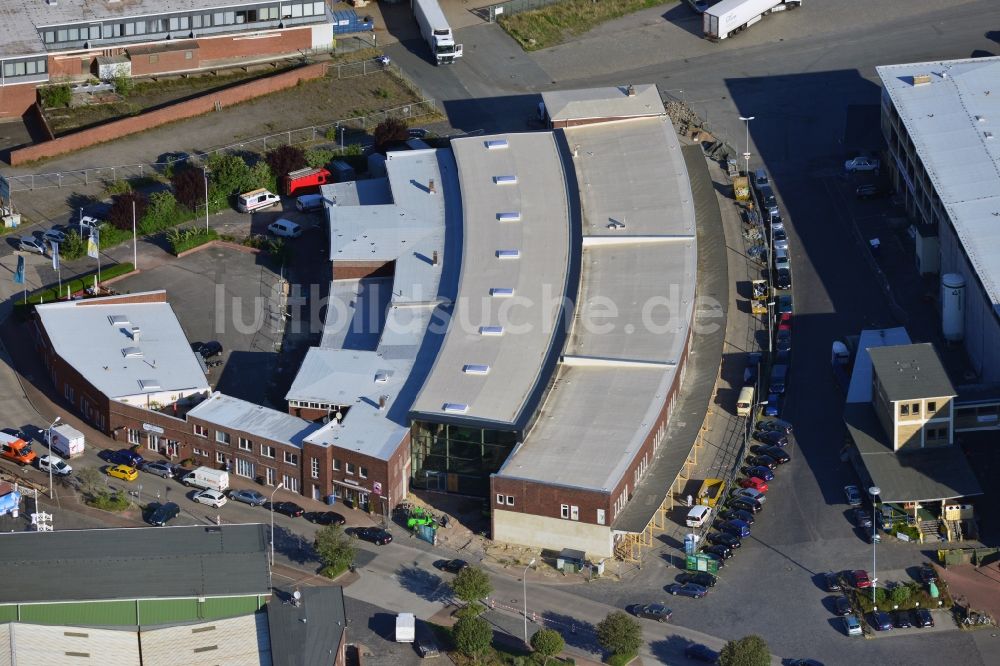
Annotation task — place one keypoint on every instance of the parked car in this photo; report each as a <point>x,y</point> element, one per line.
<point>57,465</point>
<point>759,471</point>
<point>702,578</point>
<point>724,538</point>
<point>869,191</point>
<point>862,519</point>
<point>842,605</point>
<point>924,618</point>
<point>881,621</point>
<point>861,579</point>
<point>853,495</point>
<point>123,472</point>
<point>779,238</point>
<point>687,590</point>
<point>901,619</point>
<point>742,503</point>
<point>754,482</point>
<point>290,509</point>
<point>375,535</point>
<point>852,625</point>
<point>213,498</point>
<point>247,496</point>
<point>699,652</point>
<point>86,224</point>
<point>737,528</point>
<point>737,514</point>
<point>770,437</point>
<point>773,406</point>
<point>31,244</point>
<point>325,517</point>
<point>779,454</point>
<point>832,582</point>
<point>425,642</point>
<point>862,163</point>
<point>928,574</point>
<point>720,551</point>
<point>160,468</point>
<point>54,236</point>
<point>125,457</point>
<point>163,514</point>
<point>453,566</point>
<point>750,493</point>
<point>657,612</point>
<point>761,460</point>
<point>775,425</point>
<point>783,280</point>
<point>207,349</point>
<point>285,228</point>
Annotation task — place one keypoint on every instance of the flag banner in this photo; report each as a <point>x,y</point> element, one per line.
<point>93,243</point>
<point>19,273</point>
<point>55,255</point>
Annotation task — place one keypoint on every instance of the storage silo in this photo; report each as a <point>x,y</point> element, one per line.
<point>953,307</point>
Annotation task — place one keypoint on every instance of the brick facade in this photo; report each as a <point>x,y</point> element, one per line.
<point>16,100</point>
<point>165,57</point>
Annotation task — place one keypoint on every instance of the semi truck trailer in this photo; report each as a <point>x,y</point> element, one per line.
<point>436,32</point>
<point>731,16</point>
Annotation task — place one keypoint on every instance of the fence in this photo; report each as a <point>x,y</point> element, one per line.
<point>492,12</point>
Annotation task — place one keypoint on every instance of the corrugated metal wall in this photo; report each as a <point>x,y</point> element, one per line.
<point>110,613</point>
<point>228,607</point>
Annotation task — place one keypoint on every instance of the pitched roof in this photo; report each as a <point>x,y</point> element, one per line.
<point>309,632</point>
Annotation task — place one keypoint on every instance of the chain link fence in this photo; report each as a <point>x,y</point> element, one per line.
<point>494,12</point>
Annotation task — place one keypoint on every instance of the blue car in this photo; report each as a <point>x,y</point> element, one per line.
<point>125,457</point>
<point>773,406</point>
<point>736,528</point>
<point>760,472</point>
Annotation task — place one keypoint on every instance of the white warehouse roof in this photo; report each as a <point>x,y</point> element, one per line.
<point>255,420</point>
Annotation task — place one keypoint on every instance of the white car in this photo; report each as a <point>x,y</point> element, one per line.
<point>862,163</point>
<point>285,228</point>
<point>58,465</point>
<point>85,224</point>
<point>32,244</point>
<point>212,498</point>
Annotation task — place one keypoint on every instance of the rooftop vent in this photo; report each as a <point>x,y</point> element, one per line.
<point>381,376</point>
<point>630,90</point>
<point>118,320</point>
<point>132,352</point>
<point>382,400</point>
<point>491,330</point>
<point>135,332</point>
<point>505,180</point>
<point>988,135</point>
<point>508,254</point>
<point>616,225</point>
<point>501,292</point>
<point>431,187</point>
<point>149,384</point>
<point>434,258</point>
<point>509,217</point>
<point>496,144</point>
<point>476,369</point>
<point>456,407</point>
<point>981,119</point>
<point>921,79</point>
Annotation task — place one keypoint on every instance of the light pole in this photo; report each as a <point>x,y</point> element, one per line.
<point>770,326</point>
<point>276,489</point>
<point>875,491</point>
<point>524,580</point>
<point>48,440</point>
<point>205,172</point>
<point>746,155</point>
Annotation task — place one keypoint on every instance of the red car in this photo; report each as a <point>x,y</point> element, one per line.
<point>754,482</point>
<point>861,579</point>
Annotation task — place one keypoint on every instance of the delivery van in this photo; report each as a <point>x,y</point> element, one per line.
<point>207,478</point>
<point>406,628</point>
<point>16,449</point>
<point>744,404</point>
<point>66,441</point>
<point>249,202</point>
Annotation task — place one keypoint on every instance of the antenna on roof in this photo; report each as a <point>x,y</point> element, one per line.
<point>434,258</point>
<point>431,187</point>
<point>631,90</point>
<point>382,399</point>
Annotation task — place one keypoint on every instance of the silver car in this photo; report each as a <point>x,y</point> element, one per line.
<point>32,244</point>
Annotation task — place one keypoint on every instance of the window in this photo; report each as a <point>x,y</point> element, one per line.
<point>314,465</point>
<point>50,36</point>
<point>269,476</point>
<point>904,410</point>
<point>245,444</point>
<point>154,58</point>
<point>134,436</point>
<point>188,55</point>
<point>222,437</point>
<point>915,408</point>
<point>291,458</point>
<point>363,472</point>
<point>200,430</point>
<point>499,498</point>
<point>266,451</point>
<point>95,32</point>
<point>291,482</point>
<point>336,465</point>
<point>244,468</point>
<point>574,513</point>
<point>196,21</point>
<point>349,468</point>
<point>600,516</point>
<point>69,393</point>
<point>931,406</point>
<point>220,457</point>
<point>564,511</point>
<point>199,452</point>
<point>153,443</point>
<point>510,500</point>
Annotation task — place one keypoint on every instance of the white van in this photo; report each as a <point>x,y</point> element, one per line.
<point>260,199</point>
<point>309,202</point>
<point>207,478</point>
<point>744,404</point>
<point>698,515</point>
<point>406,628</point>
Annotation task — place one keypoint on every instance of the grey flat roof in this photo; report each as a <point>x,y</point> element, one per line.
<point>610,102</point>
<point>860,387</point>
<point>255,420</point>
<point>92,336</point>
<point>355,313</point>
<point>613,380</point>
<point>535,282</point>
<point>954,123</point>
<point>161,562</point>
<point>911,372</point>
<point>929,474</point>
<point>308,633</point>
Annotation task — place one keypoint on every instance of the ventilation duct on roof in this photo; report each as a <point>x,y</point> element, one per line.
<point>505,180</point>
<point>508,254</point>
<point>501,292</point>
<point>456,407</point>
<point>496,144</point>
<point>132,352</point>
<point>491,330</point>
<point>921,79</point>
<point>118,320</point>
<point>509,217</point>
<point>476,369</point>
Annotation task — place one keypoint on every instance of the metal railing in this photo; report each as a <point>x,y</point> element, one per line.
<point>510,7</point>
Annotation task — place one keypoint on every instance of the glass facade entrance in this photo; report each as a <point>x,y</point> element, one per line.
<point>456,458</point>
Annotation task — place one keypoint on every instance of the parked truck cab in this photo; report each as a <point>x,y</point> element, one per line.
<point>16,449</point>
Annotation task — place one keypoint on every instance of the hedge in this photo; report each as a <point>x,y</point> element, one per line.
<point>51,293</point>
<point>182,240</point>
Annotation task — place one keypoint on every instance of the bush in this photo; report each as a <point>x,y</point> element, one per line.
<point>547,643</point>
<point>389,131</point>
<point>747,651</point>
<point>116,187</point>
<point>163,212</point>
<point>51,293</point>
<point>622,659</point>
<point>473,636</point>
<point>109,501</point>
<point>120,214</point>
<point>181,240</point>
<point>189,187</point>
<point>619,634</point>
<point>319,157</point>
<point>899,595</point>
<point>262,176</point>
<point>111,236</point>
<point>73,247</point>
<point>230,174</point>
<point>56,96</point>
<point>332,572</point>
<point>285,159</point>
<point>124,84</point>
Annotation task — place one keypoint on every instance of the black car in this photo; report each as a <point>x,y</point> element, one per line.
<point>784,338</point>
<point>761,472</point>
<point>375,535</point>
<point>881,621</point>
<point>783,280</point>
<point>207,349</point>
<point>425,641</point>
<point>928,574</point>
<point>780,455</point>
<point>737,514</point>
<point>687,590</point>
<point>869,191</point>
<point>702,578</point>
<point>724,538</point>
<point>700,652</point>
<point>721,551</point>
<point>453,566</point>
<point>862,519</point>
<point>657,612</point>
<point>901,619</point>
<point>775,425</point>
<point>771,437</point>
<point>744,504</point>
<point>762,461</point>
<point>325,518</point>
<point>287,508</point>
<point>923,618</point>
<point>842,606</point>
<point>163,514</point>
<point>832,582</point>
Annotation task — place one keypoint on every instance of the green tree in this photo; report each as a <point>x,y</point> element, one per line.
<point>92,482</point>
<point>230,174</point>
<point>261,176</point>
<point>899,595</point>
<point>73,247</point>
<point>547,643</point>
<point>334,549</point>
<point>472,584</point>
<point>619,634</point>
<point>473,636</point>
<point>57,95</point>
<point>747,651</point>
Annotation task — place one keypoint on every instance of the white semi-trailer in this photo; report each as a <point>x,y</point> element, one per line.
<point>436,32</point>
<point>731,16</point>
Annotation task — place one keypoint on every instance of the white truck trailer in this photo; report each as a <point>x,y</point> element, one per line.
<point>436,32</point>
<point>731,16</point>
<point>406,628</point>
<point>66,441</point>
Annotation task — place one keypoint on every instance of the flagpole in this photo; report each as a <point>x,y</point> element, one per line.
<point>135,250</point>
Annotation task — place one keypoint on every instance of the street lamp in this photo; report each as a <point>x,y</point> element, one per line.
<point>746,155</point>
<point>524,580</point>
<point>770,325</point>
<point>875,491</point>
<point>205,171</point>
<point>48,440</point>
<point>276,489</point>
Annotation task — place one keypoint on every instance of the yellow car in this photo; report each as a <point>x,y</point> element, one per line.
<point>123,472</point>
